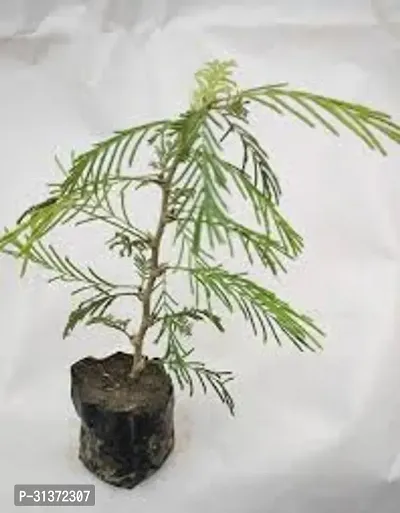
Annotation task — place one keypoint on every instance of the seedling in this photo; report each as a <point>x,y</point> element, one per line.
<point>195,178</point>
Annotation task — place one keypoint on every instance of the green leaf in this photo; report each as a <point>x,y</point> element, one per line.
<point>259,306</point>
<point>110,321</point>
<point>315,109</point>
<point>89,310</point>
<point>213,81</point>
<point>118,150</point>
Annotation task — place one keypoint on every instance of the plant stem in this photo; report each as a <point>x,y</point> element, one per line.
<point>155,271</point>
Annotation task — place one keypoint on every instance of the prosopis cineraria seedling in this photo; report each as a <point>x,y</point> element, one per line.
<point>194,175</point>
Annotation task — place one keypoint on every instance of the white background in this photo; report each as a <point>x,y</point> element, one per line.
<point>313,433</point>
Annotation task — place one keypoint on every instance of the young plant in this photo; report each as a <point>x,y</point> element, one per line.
<point>190,167</point>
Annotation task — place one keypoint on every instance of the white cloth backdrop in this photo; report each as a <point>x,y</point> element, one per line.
<point>313,433</point>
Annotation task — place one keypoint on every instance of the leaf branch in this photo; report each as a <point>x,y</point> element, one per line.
<point>315,109</point>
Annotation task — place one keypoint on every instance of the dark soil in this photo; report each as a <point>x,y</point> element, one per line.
<point>127,428</point>
<point>106,382</point>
